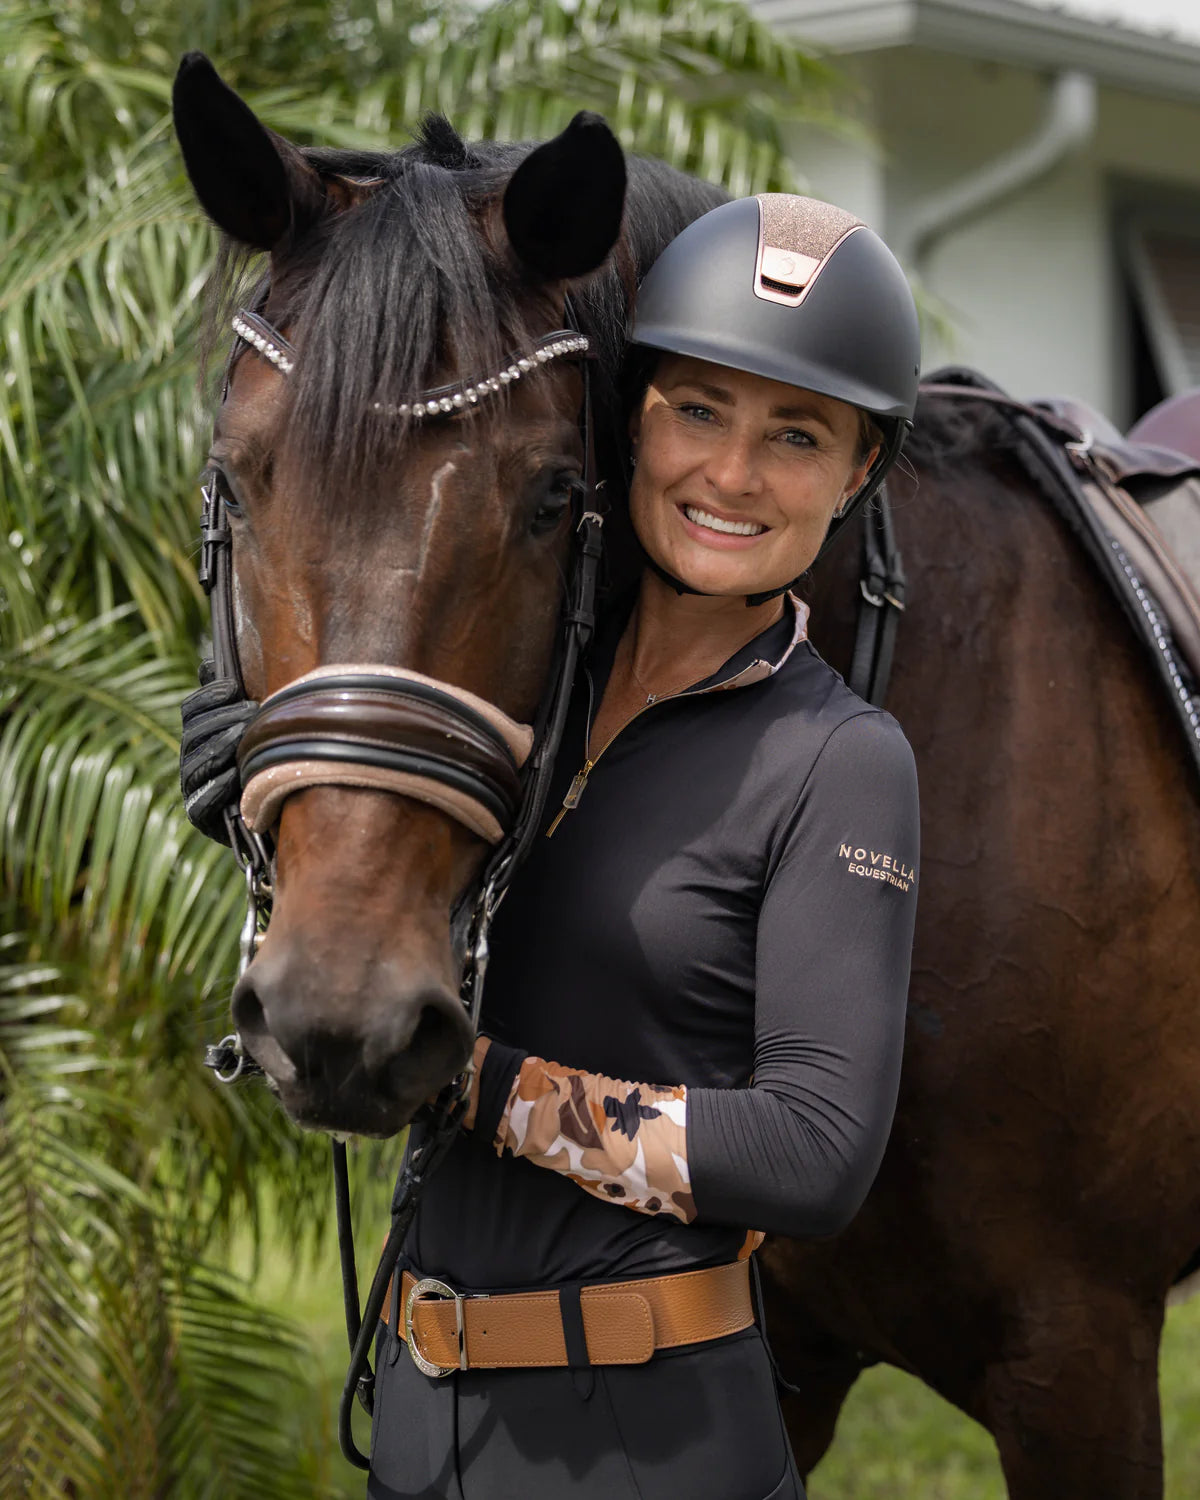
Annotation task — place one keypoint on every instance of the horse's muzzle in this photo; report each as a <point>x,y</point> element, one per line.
<point>361,1060</point>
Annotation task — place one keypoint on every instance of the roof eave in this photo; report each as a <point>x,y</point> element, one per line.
<point>997,31</point>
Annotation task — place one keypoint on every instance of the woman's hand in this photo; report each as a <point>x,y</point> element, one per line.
<point>214,719</point>
<point>482,1043</point>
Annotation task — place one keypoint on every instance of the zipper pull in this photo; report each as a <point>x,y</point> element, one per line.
<point>571,800</point>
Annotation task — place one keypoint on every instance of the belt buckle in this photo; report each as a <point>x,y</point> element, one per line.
<point>430,1287</point>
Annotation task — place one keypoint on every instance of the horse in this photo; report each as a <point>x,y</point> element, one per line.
<point>1034,1204</point>
<point>436,547</point>
<point>1037,1199</point>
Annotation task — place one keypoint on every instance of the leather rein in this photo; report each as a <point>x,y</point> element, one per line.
<point>387,728</point>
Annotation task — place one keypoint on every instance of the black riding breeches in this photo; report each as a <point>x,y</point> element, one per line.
<point>701,1422</point>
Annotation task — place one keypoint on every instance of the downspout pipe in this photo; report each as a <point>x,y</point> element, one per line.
<point>1067,125</point>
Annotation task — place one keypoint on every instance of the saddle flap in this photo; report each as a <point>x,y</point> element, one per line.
<point>1148,499</point>
<point>1159,563</point>
<point>1176,513</point>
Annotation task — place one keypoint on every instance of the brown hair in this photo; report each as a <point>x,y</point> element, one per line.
<point>870,435</point>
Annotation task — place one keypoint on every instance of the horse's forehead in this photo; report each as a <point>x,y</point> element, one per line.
<point>255,402</point>
<point>435,478</point>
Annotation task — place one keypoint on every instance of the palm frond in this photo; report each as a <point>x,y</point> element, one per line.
<point>88,781</point>
<point>58,1203</point>
<point>128,1366</point>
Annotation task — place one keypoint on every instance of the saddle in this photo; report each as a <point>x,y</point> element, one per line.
<point>1151,505</point>
<point>1135,507</point>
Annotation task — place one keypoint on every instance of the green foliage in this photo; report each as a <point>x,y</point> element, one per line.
<point>896,1439</point>
<point>131,1363</point>
<point>131,1368</point>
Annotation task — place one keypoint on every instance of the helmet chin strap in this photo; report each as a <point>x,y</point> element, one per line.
<point>862,494</point>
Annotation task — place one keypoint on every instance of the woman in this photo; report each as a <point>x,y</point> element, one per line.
<point>694,1011</point>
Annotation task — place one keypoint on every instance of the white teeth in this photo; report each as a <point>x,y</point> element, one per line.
<point>713,523</point>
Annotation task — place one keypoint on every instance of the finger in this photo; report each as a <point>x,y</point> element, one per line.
<point>199,730</point>
<point>220,693</point>
<point>207,805</point>
<point>212,758</point>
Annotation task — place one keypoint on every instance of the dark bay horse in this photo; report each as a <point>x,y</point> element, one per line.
<point>362,537</point>
<point>1038,1197</point>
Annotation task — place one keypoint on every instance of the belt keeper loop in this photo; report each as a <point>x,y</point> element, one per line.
<point>393,1322</point>
<point>571,1310</point>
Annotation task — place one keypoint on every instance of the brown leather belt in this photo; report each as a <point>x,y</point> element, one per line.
<point>621,1323</point>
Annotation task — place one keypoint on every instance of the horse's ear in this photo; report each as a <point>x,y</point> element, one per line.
<point>563,204</point>
<point>251,183</point>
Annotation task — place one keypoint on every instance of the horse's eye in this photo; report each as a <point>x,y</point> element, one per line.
<point>554,502</point>
<point>224,489</point>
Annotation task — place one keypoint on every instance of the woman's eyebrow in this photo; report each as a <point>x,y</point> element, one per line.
<point>788,413</point>
<point>713,392</point>
<point>803,413</point>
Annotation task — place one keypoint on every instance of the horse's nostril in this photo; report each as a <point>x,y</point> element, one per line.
<point>437,1040</point>
<point>251,1021</point>
<point>437,1049</point>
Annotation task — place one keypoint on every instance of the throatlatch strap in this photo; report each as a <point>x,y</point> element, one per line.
<point>881,603</point>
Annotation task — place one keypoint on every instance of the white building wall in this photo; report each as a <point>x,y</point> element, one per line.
<point>1033,285</point>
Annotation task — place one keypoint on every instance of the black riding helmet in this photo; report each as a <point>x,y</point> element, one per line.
<point>799,291</point>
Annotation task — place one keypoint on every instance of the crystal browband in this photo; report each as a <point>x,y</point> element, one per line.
<point>458,396</point>
<point>259,334</point>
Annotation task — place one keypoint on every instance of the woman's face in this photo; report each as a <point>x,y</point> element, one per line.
<point>719,449</point>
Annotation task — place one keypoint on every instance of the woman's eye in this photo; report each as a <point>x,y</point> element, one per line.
<point>796,437</point>
<point>555,500</point>
<point>700,413</point>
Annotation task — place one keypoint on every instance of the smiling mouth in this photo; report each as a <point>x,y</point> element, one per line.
<point>709,522</point>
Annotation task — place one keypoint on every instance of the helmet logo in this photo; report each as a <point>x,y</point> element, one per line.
<point>785,270</point>
<point>796,236</point>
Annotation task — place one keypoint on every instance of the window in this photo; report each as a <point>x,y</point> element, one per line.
<point>1163,260</point>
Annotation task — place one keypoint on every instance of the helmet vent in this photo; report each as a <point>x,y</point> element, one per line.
<point>778,286</point>
<point>796,236</point>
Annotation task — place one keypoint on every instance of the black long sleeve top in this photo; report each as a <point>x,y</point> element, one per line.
<point>729,907</point>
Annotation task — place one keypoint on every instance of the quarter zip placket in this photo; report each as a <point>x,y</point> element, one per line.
<point>580,779</point>
<point>756,671</point>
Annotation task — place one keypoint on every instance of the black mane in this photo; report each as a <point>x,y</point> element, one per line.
<point>401,291</point>
<point>950,433</point>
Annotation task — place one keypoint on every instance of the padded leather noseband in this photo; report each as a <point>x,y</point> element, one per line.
<point>387,729</point>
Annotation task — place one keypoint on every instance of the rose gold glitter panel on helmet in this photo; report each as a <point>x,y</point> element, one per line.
<point>796,236</point>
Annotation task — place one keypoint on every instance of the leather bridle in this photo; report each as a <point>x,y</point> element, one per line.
<point>390,729</point>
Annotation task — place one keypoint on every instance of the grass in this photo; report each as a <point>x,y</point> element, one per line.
<point>896,1440</point>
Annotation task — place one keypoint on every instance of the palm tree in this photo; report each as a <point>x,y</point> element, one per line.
<point>132,1363</point>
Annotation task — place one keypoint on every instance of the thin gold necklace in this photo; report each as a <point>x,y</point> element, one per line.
<point>652,697</point>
